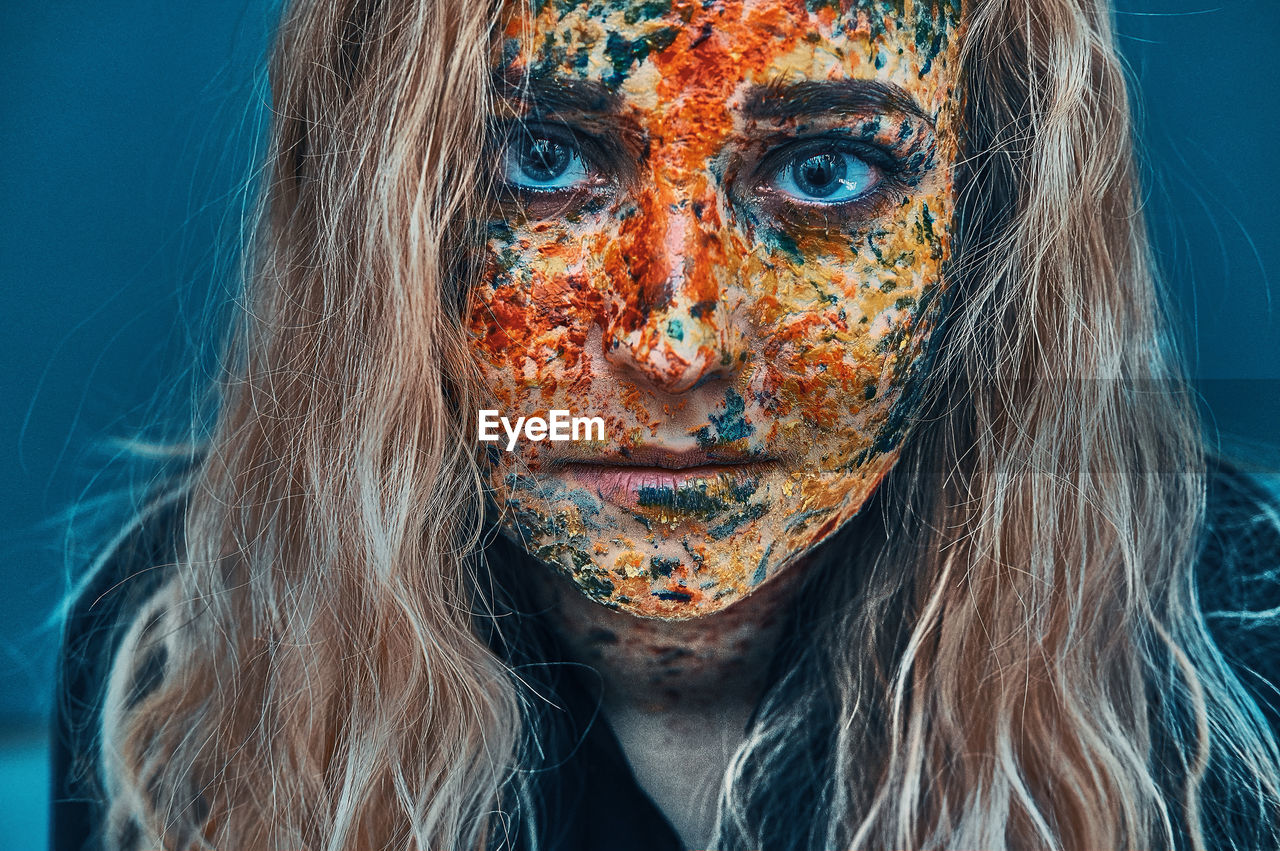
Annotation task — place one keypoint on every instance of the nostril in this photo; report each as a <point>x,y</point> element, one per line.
<point>707,377</point>
<point>663,354</point>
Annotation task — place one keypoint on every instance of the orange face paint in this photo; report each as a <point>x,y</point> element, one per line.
<point>723,228</point>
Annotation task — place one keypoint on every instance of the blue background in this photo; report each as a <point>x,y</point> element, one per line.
<point>128,132</point>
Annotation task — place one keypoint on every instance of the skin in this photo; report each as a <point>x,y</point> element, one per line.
<point>677,694</point>
<point>755,346</point>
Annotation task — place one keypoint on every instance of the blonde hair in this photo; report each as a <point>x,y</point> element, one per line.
<point>330,683</point>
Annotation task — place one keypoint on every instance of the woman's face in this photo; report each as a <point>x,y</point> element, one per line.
<point>722,229</point>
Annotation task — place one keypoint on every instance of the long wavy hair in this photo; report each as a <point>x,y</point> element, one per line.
<point>1011,657</point>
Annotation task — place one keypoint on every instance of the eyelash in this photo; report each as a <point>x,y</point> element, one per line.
<point>597,159</point>
<point>562,138</point>
<point>885,167</point>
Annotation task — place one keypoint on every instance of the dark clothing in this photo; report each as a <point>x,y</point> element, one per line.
<point>588,798</point>
<point>591,800</point>
<point>91,637</point>
<point>591,774</point>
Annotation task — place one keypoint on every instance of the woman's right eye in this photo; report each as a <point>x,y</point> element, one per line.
<point>543,164</point>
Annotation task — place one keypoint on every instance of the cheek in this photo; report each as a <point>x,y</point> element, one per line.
<point>531,313</point>
<point>847,318</point>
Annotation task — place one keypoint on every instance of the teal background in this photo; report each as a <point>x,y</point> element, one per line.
<point>127,134</point>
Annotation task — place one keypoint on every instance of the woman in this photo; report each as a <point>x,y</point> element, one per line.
<point>896,533</point>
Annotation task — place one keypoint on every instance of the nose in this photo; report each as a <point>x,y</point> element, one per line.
<point>669,324</point>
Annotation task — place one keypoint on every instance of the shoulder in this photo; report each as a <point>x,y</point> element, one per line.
<point>1238,579</point>
<point>113,653</point>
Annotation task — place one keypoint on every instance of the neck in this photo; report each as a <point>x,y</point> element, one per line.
<point>660,666</point>
<point>678,694</point>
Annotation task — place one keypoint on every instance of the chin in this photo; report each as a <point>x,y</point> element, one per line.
<point>681,573</point>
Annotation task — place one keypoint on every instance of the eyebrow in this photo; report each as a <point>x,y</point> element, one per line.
<point>557,95</point>
<point>812,97</point>
<point>551,95</point>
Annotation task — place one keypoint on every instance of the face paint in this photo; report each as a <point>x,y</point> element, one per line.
<point>723,229</point>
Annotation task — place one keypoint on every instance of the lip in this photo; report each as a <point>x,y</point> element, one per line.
<point>663,458</point>
<point>671,480</point>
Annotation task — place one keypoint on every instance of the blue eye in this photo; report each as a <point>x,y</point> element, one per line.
<point>826,177</point>
<point>543,164</point>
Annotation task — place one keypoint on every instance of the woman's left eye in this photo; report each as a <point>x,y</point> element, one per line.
<point>825,177</point>
<point>543,164</point>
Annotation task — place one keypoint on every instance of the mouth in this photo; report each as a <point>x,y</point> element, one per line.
<point>686,482</point>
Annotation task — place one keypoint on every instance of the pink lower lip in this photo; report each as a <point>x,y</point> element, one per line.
<point>624,484</point>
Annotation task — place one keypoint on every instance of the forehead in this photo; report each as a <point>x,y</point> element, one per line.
<point>653,52</point>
